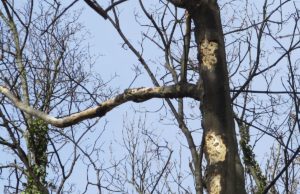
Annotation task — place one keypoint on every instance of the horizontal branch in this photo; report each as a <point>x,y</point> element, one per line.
<point>134,95</point>
<point>265,92</point>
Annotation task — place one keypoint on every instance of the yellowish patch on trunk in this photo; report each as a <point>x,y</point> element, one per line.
<point>215,148</point>
<point>208,53</point>
<point>215,185</point>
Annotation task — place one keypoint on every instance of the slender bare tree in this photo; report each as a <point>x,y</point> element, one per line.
<point>44,64</point>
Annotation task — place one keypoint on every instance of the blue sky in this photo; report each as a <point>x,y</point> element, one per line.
<point>114,60</point>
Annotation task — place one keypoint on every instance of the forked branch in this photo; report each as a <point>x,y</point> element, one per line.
<point>101,11</point>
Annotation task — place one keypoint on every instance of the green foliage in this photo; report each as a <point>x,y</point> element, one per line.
<point>38,141</point>
<point>37,144</point>
<point>249,158</point>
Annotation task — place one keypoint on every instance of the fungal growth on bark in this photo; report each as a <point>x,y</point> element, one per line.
<point>215,148</point>
<point>208,53</point>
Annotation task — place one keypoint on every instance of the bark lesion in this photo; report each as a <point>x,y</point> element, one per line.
<point>215,184</point>
<point>208,54</point>
<point>215,148</point>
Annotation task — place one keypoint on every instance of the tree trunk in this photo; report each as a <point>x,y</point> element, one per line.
<point>37,142</point>
<point>224,173</point>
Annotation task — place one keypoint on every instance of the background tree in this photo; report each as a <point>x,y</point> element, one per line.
<point>260,65</point>
<point>44,64</point>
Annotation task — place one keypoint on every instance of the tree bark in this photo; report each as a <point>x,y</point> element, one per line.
<point>224,173</point>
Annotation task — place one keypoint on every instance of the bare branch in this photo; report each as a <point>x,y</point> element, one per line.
<point>113,5</point>
<point>96,7</point>
<point>57,17</point>
<point>135,95</point>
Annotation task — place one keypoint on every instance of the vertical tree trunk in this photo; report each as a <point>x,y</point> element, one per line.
<point>224,173</point>
<point>37,142</point>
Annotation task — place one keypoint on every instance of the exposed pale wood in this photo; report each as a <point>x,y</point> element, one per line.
<point>135,95</point>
